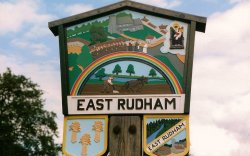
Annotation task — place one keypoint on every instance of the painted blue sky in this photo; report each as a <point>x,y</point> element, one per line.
<point>221,77</point>
<point>137,68</point>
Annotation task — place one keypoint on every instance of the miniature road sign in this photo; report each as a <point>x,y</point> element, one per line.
<point>166,135</point>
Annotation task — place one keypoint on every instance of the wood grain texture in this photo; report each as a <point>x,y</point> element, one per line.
<point>125,135</point>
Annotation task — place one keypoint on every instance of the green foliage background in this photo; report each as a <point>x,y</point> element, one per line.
<point>84,59</point>
<point>100,73</point>
<point>154,126</point>
<point>26,128</point>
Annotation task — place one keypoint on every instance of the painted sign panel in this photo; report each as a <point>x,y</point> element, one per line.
<point>126,53</point>
<point>85,135</point>
<point>166,135</point>
<point>126,104</point>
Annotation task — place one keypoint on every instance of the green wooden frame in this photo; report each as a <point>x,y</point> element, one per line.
<point>64,67</point>
<point>188,68</point>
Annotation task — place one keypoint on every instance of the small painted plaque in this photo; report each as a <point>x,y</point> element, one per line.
<point>166,135</point>
<point>85,135</point>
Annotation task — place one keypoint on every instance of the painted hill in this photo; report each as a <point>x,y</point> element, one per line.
<point>169,63</point>
<point>176,62</point>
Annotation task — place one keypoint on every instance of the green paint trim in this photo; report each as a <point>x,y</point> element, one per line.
<point>189,66</point>
<point>64,68</point>
<point>186,60</point>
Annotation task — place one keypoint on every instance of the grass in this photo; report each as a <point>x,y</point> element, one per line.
<point>97,81</point>
<point>86,35</point>
<point>157,82</point>
<point>134,77</point>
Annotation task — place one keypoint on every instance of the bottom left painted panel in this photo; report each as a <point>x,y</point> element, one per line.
<point>85,135</point>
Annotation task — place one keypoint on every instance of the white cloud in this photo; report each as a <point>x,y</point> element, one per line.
<point>211,141</point>
<point>77,8</point>
<point>221,85</point>
<point>80,8</point>
<point>237,1</point>
<point>228,33</point>
<point>38,49</point>
<point>46,75</point>
<point>14,15</point>
<point>38,30</point>
<point>167,4</point>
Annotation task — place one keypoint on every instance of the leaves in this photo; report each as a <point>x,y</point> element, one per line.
<point>25,126</point>
<point>98,34</point>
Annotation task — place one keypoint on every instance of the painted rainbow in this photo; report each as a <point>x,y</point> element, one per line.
<point>135,55</point>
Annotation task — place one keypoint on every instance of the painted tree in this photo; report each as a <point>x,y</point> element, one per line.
<point>152,73</point>
<point>123,14</point>
<point>100,73</point>
<point>98,128</point>
<point>75,128</point>
<point>85,141</point>
<point>117,69</point>
<point>84,58</point>
<point>97,34</point>
<point>130,69</point>
<point>77,29</point>
<point>26,128</point>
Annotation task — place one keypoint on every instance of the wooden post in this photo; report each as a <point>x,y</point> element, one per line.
<point>125,136</point>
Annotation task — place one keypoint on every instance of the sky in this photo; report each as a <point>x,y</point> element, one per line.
<point>220,108</point>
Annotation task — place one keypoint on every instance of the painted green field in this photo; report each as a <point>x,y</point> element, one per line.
<point>142,34</point>
<point>74,60</point>
<point>86,35</point>
<point>166,61</point>
<point>134,76</point>
<point>151,80</point>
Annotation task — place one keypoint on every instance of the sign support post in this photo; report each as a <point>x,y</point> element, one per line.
<point>125,135</point>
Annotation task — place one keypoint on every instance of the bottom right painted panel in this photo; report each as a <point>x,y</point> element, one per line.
<point>166,135</point>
